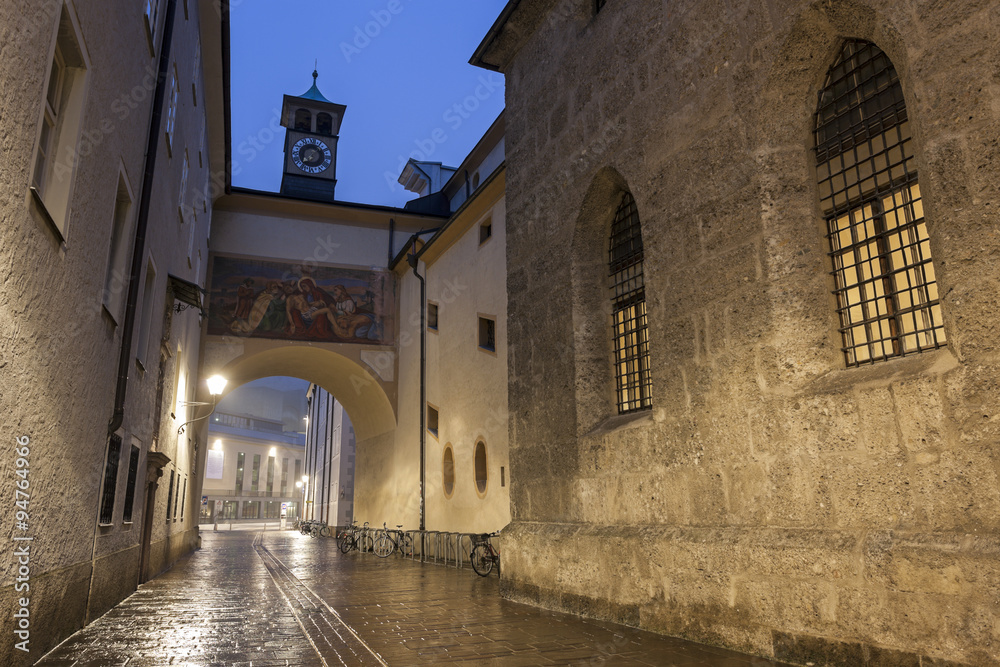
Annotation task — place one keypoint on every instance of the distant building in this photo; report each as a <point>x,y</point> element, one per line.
<point>255,456</point>
<point>330,460</point>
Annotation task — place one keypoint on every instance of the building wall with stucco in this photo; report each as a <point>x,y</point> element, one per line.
<point>63,305</point>
<point>772,500</point>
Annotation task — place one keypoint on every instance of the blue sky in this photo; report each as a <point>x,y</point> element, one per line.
<point>400,66</point>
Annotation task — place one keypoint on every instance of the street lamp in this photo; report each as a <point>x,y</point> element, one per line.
<point>216,384</point>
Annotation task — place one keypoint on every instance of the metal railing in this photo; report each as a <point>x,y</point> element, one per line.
<point>433,546</point>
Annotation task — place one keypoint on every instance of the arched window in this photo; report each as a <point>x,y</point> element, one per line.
<point>628,300</point>
<point>887,294</point>
<point>482,475</point>
<point>448,471</point>
<point>303,120</point>
<point>324,124</point>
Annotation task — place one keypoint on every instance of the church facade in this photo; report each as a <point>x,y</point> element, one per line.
<point>761,411</point>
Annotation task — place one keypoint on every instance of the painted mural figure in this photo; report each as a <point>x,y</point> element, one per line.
<point>329,304</point>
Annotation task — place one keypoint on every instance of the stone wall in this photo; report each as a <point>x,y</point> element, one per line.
<point>772,500</point>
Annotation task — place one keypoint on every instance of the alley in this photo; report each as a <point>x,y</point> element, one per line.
<point>280,598</point>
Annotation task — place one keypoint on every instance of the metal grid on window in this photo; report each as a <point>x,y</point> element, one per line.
<point>133,469</point>
<point>170,495</point>
<point>887,293</point>
<point>628,297</point>
<point>110,479</point>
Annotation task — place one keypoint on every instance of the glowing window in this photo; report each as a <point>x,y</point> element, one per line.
<point>887,293</point>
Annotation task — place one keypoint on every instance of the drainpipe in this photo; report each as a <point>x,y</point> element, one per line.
<point>142,222</point>
<point>392,231</point>
<point>413,260</point>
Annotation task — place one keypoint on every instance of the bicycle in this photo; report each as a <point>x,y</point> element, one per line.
<point>387,541</point>
<point>357,538</point>
<point>483,554</point>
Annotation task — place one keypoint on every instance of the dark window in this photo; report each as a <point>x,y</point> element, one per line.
<point>887,293</point>
<point>485,231</point>
<point>628,299</point>
<point>303,120</point>
<point>298,469</point>
<point>270,475</point>
<point>599,4</point>
<point>487,334</point>
<point>133,470</point>
<point>239,473</point>
<point>481,470</point>
<point>251,509</point>
<point>284,476</point>
<point>170,495</point>
<point>448,471</point>
<point>503,480</point>
<point>255,473</point>
<point>324,124</point>
<point>184,492</point>
<point>432,420</point>
<point>432,316</point>
<point>110,479</point>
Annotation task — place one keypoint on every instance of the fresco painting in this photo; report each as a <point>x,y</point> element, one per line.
<point>262,299</point>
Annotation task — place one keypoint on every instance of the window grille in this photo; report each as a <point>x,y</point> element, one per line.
<point>184,492</point>
<point>255,473</point>
<point>628,298</point>
<point>887,293</point>
<point>170,495</point>
<point>133,470</point>
<point>110,480</point>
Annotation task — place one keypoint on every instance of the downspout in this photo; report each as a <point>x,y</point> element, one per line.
<point>413,260</point>
<point>392,231</point>
<point>142,222</point>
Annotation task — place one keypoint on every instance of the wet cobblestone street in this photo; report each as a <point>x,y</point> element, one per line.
<point>280,598</point>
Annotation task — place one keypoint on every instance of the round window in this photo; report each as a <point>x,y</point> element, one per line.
<point>448,470</point>
<point>481,473</point>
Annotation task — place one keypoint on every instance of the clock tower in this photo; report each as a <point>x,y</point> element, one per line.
<point>313,124</point>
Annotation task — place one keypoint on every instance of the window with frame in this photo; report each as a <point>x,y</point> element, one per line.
<point>115,278</point>
<point>185,168</point>
<point>152,14</point>
<point>170,495</point>
<point>481,469</point>
<point>146,324</point>
<point>630,334</point>
<point>172,110</point>
<point>61,122</point>
<point>485,231</point>
<point>487,334</point>
<point>448,471</point>
<point>110,480</point>
<point>184,491</point>
<point>133,471</point>
<point>240,459</point>
<point>432,420</point>
<point>885,284</point>
<point>432,316</point>
<point>255,473</point>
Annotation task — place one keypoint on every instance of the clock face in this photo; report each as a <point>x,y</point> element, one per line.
<point>311,155</point>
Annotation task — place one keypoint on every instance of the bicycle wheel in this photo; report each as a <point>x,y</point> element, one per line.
<point>366,543</point>
<point>384,546</point>
<point>349,542</point>
<point>482,562</point>
<point>325,531</point>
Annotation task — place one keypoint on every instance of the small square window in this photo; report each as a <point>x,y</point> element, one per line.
<point>432,316</point>
<point>432,420</point>
<point>487,334</point>
<point>485,231</point>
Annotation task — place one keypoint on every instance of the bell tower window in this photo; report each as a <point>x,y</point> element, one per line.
<point>303,120</point>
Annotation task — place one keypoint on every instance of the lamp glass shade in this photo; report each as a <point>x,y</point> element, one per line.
<point>216,384</point>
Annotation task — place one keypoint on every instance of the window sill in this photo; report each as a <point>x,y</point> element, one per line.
<point>623,422</point>
<point>937,362</point>
<point>488,350</point>
<point>43,210</point>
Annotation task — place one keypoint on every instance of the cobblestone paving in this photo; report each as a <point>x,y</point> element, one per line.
<point>267,599</point>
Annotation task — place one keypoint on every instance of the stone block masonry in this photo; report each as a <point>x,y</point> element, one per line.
<point>772,500</point>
